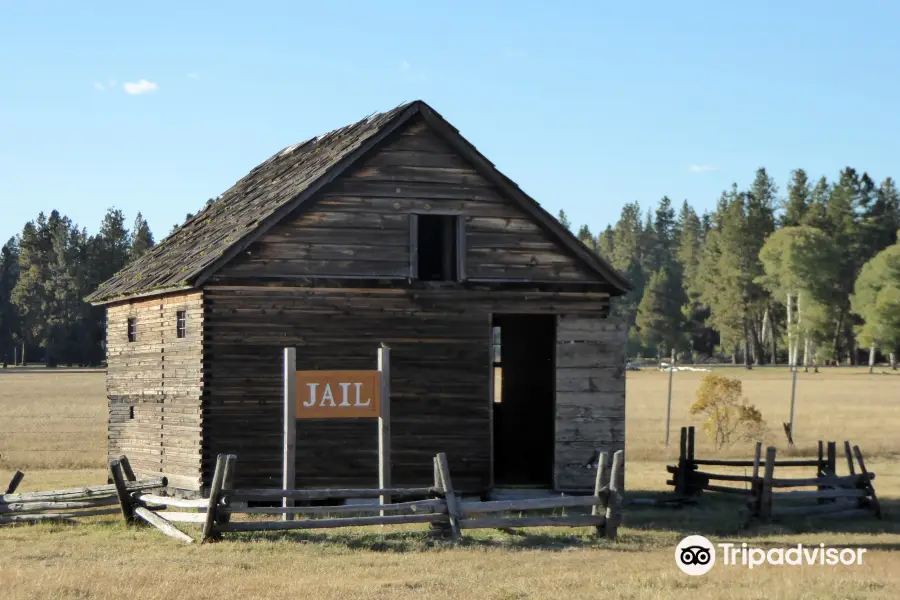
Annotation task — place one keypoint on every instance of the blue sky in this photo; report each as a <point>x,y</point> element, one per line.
<point>586,107</point>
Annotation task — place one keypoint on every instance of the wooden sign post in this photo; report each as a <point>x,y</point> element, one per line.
<point>336,395</point>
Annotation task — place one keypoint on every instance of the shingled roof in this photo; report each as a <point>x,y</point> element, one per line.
<point>205,242</point>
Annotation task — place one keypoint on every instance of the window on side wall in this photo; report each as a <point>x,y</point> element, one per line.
<point>181,323</point>
<point>132,329</point>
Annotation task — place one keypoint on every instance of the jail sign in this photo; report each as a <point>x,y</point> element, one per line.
<point>338,394</point>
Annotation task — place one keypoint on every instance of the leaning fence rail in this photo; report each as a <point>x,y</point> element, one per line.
<point>68,504</point>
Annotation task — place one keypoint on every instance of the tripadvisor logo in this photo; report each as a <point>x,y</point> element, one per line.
<point>696,555</point>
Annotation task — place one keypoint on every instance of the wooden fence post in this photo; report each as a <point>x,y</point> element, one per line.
<point>15,481</point>
<point>867,481</point>
<point>126,468</point>
<point>832,464</point>
<point>849,454</point>
<point>228,482</point>
<point>756,484</point>
<point>289,459</point>
<point>384,424</point>
<point>125,501</point>
<point>681,477</point>
<point>614,500</point>
<point>669,401</point>
<point>600,482</point>
<point>212,506</point>
<point>765,501</point>
<point>449,495</point>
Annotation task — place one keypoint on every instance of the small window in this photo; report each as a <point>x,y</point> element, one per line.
<point>438,247</point>
<point>132,329</point>
<point>180,324</point>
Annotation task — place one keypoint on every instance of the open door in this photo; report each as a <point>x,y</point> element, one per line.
<point>524,392</point>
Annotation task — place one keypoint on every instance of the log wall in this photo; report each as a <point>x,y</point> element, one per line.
<point>440,402</point>
<point>154,387</point>
<point>590,396</point>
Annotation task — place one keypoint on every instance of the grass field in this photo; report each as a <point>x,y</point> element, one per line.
<point>52,427</point>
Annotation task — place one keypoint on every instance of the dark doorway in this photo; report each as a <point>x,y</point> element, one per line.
<point>524,392</point>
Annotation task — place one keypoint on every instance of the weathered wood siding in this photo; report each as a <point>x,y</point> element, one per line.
<point>440,358</point>
<point>154,387</point>
<point>590,395</point>
<point>359,225</point>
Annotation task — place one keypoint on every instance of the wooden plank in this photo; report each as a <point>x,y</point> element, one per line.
<point>17,478</point>
<point>213,500</point>
<point>126,468</point>
<point>182,517</point>
<point>724,477</point>
<point>125,501</point>
<point>765,503</point>
<point>867,478</point>
<point>58,516</point>
<point>541,521</point>
<point>601,483</point>
<point>162,524</point>
<point>728,490</point>
<point>468,508</point>
<point>749,463</point>
<point>849,454</point>
<point>384,423</point>
<point>150,500</point>
<point>428,506</point>
<point>616,490</point>
<point>235,526</point>
<point>449,494</point>
<point>289,466</point>
<point>20,507</point>
<point>849,480</point>
<point>228,482</point>
<point>324,494</point>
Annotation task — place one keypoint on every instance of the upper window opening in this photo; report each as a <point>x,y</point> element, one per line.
<point>180,324</point>
<point>132,329</point>
<point>437,247</point>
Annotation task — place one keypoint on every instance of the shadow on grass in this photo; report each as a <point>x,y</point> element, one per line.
<point>716,515</point>
<point>418,541</point>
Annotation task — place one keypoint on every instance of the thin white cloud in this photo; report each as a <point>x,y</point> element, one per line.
<point>193,76</point>
<point>102,87</point>
<point>140,87</point>
<point>702,168</point>
<point>405,66</point>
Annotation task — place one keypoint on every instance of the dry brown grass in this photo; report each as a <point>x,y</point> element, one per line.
<point>106,560</point>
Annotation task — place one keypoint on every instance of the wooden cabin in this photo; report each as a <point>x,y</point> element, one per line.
<point>394,229</point>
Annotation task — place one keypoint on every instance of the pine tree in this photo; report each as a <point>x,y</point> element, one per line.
<point>659,313</point>
<point>797,204</point>
<point>9,317</point>
<point>605,243</point>
<point>626,258</point>
<point>141,238</point>
<point>586,237</point>
<point>666,231</point>
<point>563,219</point>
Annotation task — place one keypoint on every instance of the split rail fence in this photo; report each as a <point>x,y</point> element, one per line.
<point>68,504</point>
<point>826,494</point>
<point>438,505</point>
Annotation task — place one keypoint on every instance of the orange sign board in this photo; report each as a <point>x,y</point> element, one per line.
<point>338,394</point>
